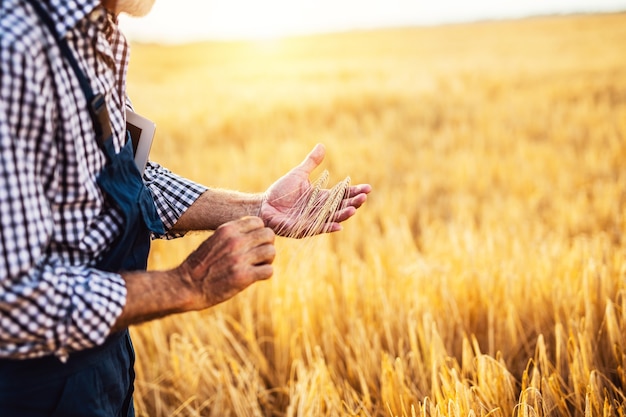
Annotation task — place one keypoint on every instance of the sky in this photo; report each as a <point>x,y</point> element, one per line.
<point>177,21</point>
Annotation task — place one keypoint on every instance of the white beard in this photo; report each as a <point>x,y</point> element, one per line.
<point>137,8</point>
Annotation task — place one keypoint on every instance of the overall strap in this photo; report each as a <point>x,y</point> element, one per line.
<point>96,102</point>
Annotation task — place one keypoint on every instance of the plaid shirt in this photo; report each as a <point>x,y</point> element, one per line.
<point>54,221</point>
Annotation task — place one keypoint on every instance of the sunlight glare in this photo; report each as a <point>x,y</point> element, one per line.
<point>256,20</point>
<point>184,20</point>
<point>174,21</point>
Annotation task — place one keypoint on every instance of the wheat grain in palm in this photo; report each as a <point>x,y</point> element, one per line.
<point>314,212</point>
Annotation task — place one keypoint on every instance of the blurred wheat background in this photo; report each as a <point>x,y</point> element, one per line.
<point>485,276</point>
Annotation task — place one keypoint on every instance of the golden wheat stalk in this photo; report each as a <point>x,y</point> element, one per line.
<point>306,210</point>
<point>321,217</point>
<point>315,210</point>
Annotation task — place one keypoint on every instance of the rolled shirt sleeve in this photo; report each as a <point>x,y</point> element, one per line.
<point>58,310</point>
<point>172,194</point>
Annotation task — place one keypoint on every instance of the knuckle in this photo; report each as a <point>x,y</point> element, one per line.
<point>224,230</point>
<point>271,252</point>
<point>239,274</point>
<point>255,221</point>
<point>266,272</point>
<point>269,234</point>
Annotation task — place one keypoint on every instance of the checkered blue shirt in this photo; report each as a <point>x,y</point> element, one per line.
<point>54,220</point>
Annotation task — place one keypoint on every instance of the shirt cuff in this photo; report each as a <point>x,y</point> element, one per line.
<point>97,301</point>
<point>172,194</point>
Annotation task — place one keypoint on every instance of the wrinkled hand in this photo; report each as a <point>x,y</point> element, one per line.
<point>235,256</point>
<point>287,192</point>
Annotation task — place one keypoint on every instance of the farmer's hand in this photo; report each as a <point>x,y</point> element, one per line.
<point>235,256</point>
<point>283,200</point>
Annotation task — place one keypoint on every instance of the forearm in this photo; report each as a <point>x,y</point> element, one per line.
<point>216,207</point>
<point>238,254</point>
<point>152,295</point>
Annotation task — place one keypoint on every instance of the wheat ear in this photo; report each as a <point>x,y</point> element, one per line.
<point>321,221</point>
<point>314,211</point>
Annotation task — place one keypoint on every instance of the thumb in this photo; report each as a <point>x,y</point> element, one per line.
<point>313,159</point>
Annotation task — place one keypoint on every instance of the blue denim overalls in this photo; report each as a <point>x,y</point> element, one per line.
<point>98,381</point>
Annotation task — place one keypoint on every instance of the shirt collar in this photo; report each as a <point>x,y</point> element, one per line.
<point>67,13</point>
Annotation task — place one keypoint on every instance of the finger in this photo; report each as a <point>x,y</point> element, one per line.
<point>356,201</point>
<point>263,255</point>
<point>333,227</point>
<point>313,159</point>
<point>245,224</point>
<point>261,236</point>
<point>359,189</point>
<point>344,214</point>
<point>349,207</point>
<point>262,272</point>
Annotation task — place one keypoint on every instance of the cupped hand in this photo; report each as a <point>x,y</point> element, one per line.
<point>284,199</point>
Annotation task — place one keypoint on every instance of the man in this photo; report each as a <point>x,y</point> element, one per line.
<point>77,216</point>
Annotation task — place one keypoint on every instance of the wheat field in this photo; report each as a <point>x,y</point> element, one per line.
<point>486,274</point>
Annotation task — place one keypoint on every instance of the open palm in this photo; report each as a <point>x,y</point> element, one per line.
<point>285,200</point>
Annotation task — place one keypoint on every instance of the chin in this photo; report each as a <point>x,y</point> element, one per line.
<point>137,8</point>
